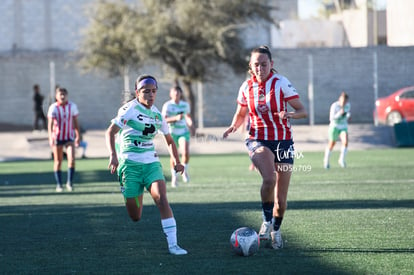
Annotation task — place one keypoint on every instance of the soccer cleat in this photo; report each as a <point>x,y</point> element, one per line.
<point>277,242</point>
<point>176,250</point>
<point>186,177</point>
<point>69,187</point>
<point>264,233</point>
<point>59,188</point>
<point>326,164</point>
<point>342,163</point>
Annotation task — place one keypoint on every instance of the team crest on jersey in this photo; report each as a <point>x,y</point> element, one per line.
<point>262,97</point>
<point>263,108</point>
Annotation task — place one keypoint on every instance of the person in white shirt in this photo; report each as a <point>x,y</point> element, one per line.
<point>265,98</point>
<point>339,115</point>
<point>63,131</point>
<point>177,114</point>
<point>129,140</point>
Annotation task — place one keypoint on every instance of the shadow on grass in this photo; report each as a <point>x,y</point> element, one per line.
<point>350,204</point>
<point>48,177</point>
<point>361,250</point>
<point>100,238</point>
<point>94,239</point>
<point>95,236</point>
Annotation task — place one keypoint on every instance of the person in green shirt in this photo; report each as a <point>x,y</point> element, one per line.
<point>339,115</point>
<point>129,139</point>
<point>177,114</point>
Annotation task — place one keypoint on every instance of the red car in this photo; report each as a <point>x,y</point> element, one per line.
<point>395,108</point>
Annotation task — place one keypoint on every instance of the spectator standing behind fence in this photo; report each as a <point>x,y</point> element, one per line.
<point>339,115</point>
<point>177,114</point>
<point>38,99</point>
<point>265,96</point>
<point>63,130</point>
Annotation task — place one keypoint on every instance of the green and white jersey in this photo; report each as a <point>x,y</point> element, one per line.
<point>139,126</point>
<point>169,109</point>
<point>336,118</point>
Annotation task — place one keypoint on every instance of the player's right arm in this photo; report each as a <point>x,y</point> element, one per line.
<point>168,118</point>
<point>110,133</point>
<point>241,111</point>
<point>238,119</point>
<point>125,113</point>
<point>50,125</point>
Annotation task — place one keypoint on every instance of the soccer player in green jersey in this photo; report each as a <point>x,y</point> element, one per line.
<point>339,115</point>
<point>177,114</point>
<point>129,139</point>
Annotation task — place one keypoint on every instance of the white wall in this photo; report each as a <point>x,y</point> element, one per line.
<point>400,22</point>
<point>355,24</point>
<point>308,33</point>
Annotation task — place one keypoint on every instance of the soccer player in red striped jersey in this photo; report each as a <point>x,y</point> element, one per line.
<point>265,97</point>
<point>63,130</point>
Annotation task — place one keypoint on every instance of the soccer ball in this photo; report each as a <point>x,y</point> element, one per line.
<point>245,241</point>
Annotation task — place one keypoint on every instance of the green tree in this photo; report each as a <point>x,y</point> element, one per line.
<point>108,44</point>
<point>191,37</point>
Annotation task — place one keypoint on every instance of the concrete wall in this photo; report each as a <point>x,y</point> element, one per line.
<point>99,97</point>
<point>41,24</point>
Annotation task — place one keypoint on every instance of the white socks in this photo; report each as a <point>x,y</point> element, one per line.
<point>327,155</point>
<point>344,150</point>
<point>341,159</point>
<point>173,173</point>
<point>170,230</point>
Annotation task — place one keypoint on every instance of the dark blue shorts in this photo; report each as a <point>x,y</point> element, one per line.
<point>282,149</point>
<point>62,142</point>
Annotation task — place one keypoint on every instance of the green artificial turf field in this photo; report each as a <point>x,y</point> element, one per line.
<point>358,220</point>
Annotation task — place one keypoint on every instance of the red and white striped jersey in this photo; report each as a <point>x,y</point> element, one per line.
<point>263,101</point>
<point>62,115</point>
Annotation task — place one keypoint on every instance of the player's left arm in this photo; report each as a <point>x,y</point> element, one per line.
<point>190,124</point>
<point>292,98</point>
<point>77,130</point>
<point>299,110</point>
<point>50,130</point>
<point>348,111</point>
<point>172,149</point>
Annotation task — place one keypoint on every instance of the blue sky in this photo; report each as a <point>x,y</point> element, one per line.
<point>309,8</point>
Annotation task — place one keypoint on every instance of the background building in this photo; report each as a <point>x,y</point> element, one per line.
<point>40,37</point>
